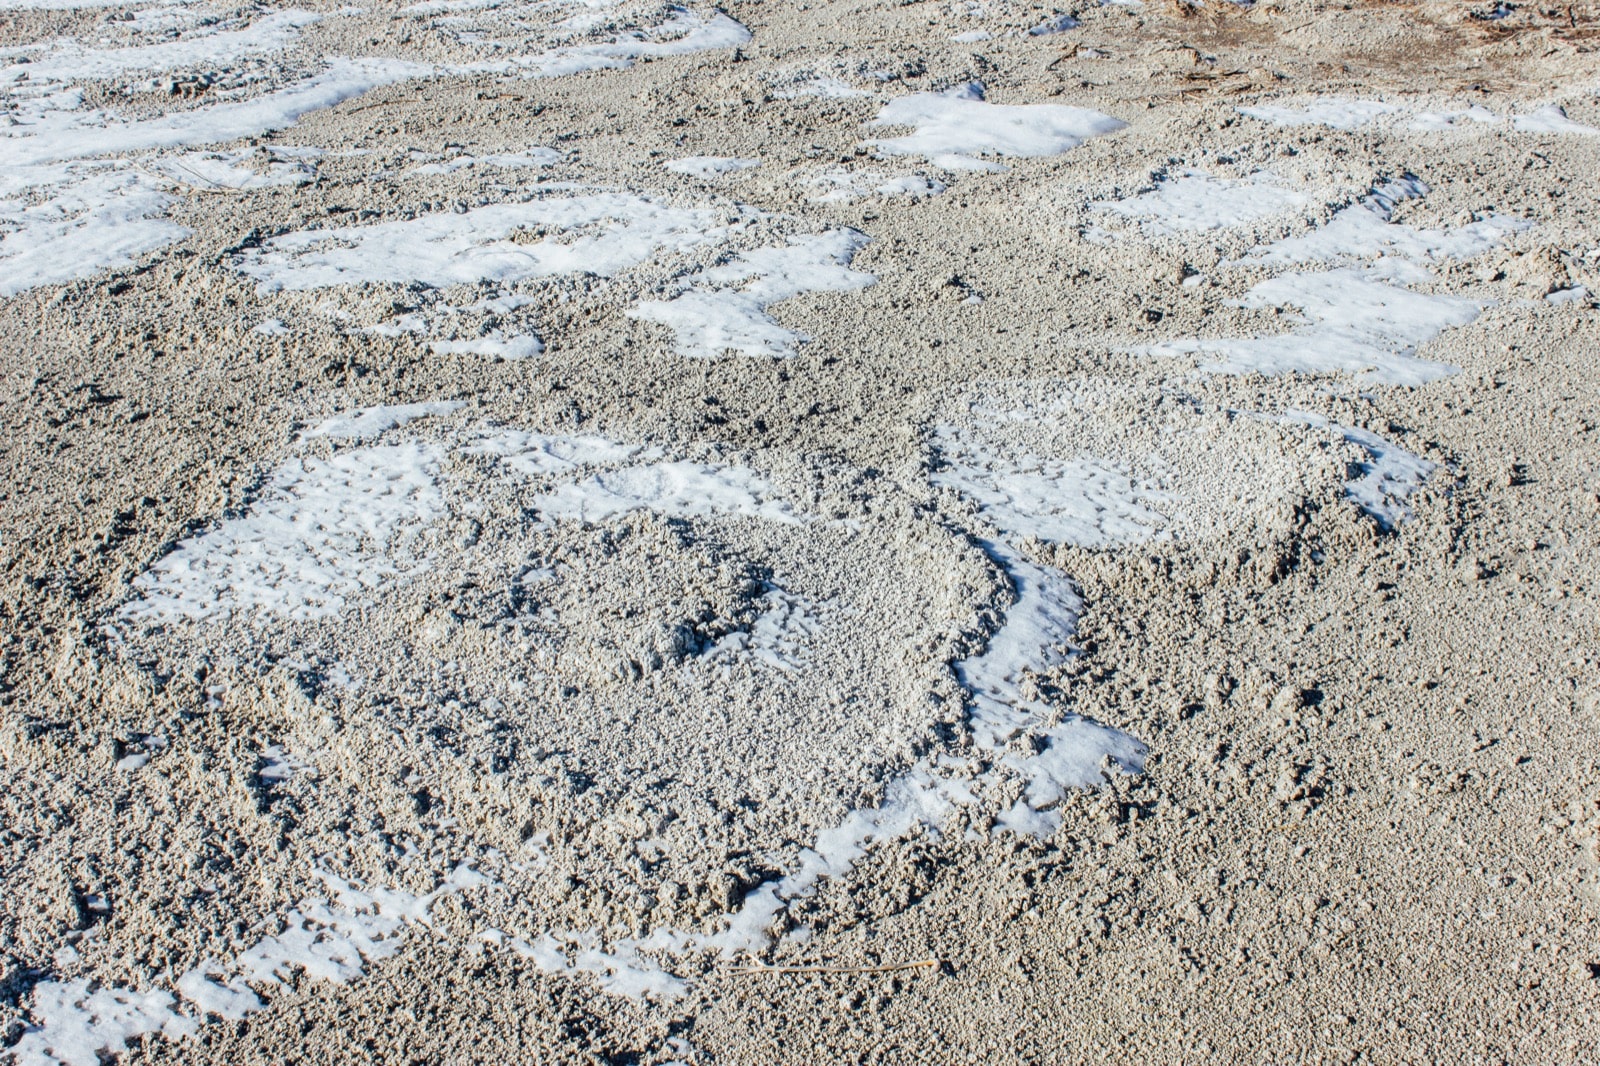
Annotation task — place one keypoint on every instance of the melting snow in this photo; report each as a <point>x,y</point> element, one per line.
<point>1551,119</point>
<point>537,454</point>
<point>319,534</point>
<point>709,166</point>
<point>844,186</point>
<point>673,488</point>
<point>533,157</point>
<point>714,317</point>
<point>1366,230</point>
<point>230,170</point>
<point>97,220</point>
<point>1368,320</point>
<point>601,233</point>
<point>779,635</point>
<point>1342,114</point>
<point>1339,113</point>
<point>1389,477</point>
<point>1355,322</point>
<point>94,220</point>
<point>67,60</point>
<point>953,128</point>
<point>1194,201</point>
<point>370,421</point>
<point>326,940</point>
<point>1084,500</point>
<point>65,133</point>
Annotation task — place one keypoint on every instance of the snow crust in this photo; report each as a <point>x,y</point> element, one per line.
<point>954,128</point>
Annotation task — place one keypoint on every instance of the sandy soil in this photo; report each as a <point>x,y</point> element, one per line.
<point>610,645</point>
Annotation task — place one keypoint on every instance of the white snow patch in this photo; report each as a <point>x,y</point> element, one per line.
<point>684,33</point>
<point>541,454</point>
<point>845,186</point>
<point>1034,637</point>
<point>1075,756</point>
<point>917,798</point>
<point>320,534</point>
<point>65,133</point>
<point>68,60</point>
<point>533,157</point>
<point>72,1025</point>
<point>671,488</point>
<point>954,128</point>
<point>1354,321</point>
<point>1084,500</point>
<point>600,233</point>
<point>327,940</point>
<point>1336,112</point>
<point>99,218</point>
<point>73,5</point>
<point>1193,201</point>
<point>1434,121</point>
<point>371,421</point>
<point>709,166</point>
<point>1389,477</point>
<point>1343,114</point>
<point>779,635</point>
<point>714,317</point>
<point>1367,320</point>
<point>1366,230</point>
<point>230,170</point>
<point>1551,119</point>
<point>495,344</point>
